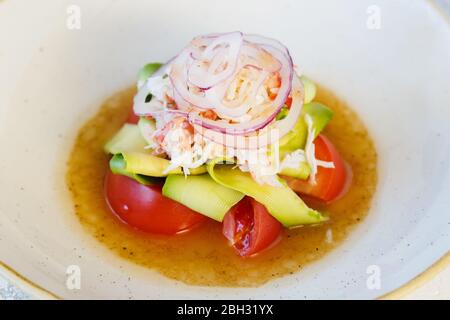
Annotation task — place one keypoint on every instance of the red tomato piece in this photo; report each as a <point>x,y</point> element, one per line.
<point>146,209</point>
<point>330,182</point>
<point>132,117</point>
<point>250,228</point>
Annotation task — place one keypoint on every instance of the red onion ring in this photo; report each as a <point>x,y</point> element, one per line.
<point>286,74</point>
<point>211,97</point>
<point>202,78</point>
<point>262,137</point>
<point>202,74</point>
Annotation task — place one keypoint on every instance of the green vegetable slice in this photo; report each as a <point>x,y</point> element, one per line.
<point>281,202</point>
<point>202,194</point>
<point>309,89</point>
<point>302,172</point>
<point>147,71</point>
<point>309,94</point>
<point>283,113</point>
<point>127,139</point>
<point>117,166</point>
<point>320,114</point>
<point>296,138</point>
<point>149,165</point>
<point>146,128</point>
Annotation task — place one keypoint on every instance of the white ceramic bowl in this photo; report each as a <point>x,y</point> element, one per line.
<point>52,79</point>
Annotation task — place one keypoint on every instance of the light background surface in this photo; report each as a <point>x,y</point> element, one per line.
<point>436,288</point>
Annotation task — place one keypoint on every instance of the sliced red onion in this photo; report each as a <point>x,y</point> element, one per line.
<point>177,112</point>
<point>263,137</point>
<point>178,78</point>
<point>211,97</point>
<point>286,75</point>
<point>180,102</point>
<point>205,76</point>
<point>242,104</point>
<point>201,76</point>
<point>259,58</point>
<point>260,40</point>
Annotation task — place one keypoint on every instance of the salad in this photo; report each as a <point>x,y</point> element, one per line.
<point>226,130</point>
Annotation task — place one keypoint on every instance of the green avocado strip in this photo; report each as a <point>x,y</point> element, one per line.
<point>117,166</point>
<point>320,114</point>
<point>296,138</point>
<point>148,70</point>
<point>145,167</point>
<point>302,172</point>
<point>202,194</point>
<point>149,165</point>
<point>127,139</point>
<point>281,202</point>
<point>309,89</point>
<point>146,127</point>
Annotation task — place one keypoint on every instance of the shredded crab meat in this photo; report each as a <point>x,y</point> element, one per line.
<point>175,138</point>
<point>189,150</point>
<point>292,160</point>
<point>186,149</point>
<point>310,151</point>
<point>220,82</point>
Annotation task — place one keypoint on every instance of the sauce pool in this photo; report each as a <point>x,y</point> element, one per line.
<point>203,256</point>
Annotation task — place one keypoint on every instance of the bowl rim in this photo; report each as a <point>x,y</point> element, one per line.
<point>36,291</point>
<point>29,287</point>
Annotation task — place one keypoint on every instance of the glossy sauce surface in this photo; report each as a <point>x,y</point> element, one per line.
<point>202,256</point>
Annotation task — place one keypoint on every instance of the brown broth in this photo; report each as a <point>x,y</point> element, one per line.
<point>202,256</point>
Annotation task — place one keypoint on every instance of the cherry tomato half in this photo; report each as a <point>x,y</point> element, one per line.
<point>330,182</point>
<point>146,209</point>
<point>132,117</point>
<point>250,228</point>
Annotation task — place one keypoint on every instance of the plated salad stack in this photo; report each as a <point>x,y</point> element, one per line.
<point>226,130</point>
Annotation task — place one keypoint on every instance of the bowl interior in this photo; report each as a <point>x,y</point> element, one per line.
<point>53,78</point>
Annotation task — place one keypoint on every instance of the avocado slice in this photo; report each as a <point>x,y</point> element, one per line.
<point>320,114</point>
<point>202,194</point>
<point>147,70</point>
<point>149,165</point>
<point>296,138</point>
<point>302,172</point>
<point>127,139</point>
<point>117,165</point>
<point>281,202</point>
<point>146,127</point>
<point>133,160</point>
<point>309,89</point>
